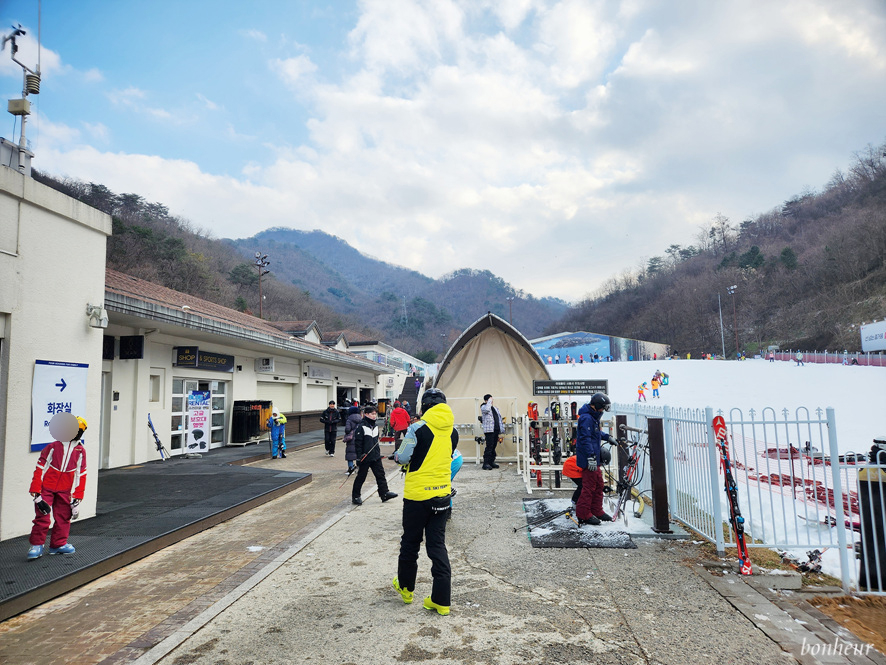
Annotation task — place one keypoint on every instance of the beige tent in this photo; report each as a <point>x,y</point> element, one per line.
<point>492,357</point>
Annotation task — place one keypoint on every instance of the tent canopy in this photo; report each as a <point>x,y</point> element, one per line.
<point>492,357</point>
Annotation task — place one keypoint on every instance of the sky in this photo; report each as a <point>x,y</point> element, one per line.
<point>555,144</point>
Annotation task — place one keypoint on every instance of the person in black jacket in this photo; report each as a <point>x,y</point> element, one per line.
<point>369,457</point>
<point>330,419</point>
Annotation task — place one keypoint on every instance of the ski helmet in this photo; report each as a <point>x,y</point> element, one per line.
<point>432,397</point>
<point>601,402</point>
<point>81,422</point>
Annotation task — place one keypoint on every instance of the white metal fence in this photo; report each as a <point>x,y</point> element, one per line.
<point>795,489</point>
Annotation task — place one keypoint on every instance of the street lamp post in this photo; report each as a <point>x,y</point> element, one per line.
<point>262,263</point>
<point>722,339</point>
<point>731,291</point>
<point>510,300</point>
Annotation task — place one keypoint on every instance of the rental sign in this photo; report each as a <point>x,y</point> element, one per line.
<point>873,336</point>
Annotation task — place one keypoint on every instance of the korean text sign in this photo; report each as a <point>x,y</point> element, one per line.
<point>58,387</point>
<point>199,413</point>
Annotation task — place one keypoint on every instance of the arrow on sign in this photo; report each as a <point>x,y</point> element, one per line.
<point>63,385</point>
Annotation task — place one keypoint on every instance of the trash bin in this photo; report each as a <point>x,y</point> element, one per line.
<point>254,428</point>
<point>383,407</point>
<point>267,408</point>
<point>239,422</point>
<point>871,501</point>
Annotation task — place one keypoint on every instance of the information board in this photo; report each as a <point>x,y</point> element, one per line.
<point>199,413</point>
<point>58,387</point>
<point>570,387</point>
<point>873,336</point>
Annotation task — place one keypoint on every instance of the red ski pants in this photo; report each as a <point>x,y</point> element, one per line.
<point>591,500</point>
<point>61,512</point>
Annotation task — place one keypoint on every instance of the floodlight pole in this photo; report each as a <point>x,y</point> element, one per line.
<point>510,300</point>
<point>262,263</point>
<point>731,291</point>
<point>722,338</point>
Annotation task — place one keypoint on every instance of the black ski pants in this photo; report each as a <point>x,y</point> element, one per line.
<point>419,520</point>
<point>489,454</point>
<point>331,435</point>
<point>378,470</point>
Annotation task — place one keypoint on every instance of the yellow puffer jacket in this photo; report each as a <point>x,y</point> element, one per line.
<point>430,465</point>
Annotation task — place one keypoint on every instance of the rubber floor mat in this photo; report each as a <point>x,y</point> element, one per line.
<point>550,523</point>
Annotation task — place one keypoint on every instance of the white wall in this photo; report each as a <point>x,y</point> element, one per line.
<point>52,264</point>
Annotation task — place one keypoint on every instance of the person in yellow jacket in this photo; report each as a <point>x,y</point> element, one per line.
<point>426,456</point>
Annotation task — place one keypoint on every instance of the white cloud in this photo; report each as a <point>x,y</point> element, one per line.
<point>295,70</point>
<point>208,103</point>
<point>256,35</point>
<point>93,75</point>
<point>97,131</point>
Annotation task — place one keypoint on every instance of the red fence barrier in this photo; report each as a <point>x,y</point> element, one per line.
<point>833,358</point>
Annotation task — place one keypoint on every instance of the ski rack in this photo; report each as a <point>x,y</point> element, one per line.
<point>536,459</point>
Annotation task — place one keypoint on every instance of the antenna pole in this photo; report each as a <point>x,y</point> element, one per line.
<point>39,33</point>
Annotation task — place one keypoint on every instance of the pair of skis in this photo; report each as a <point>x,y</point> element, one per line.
<point>735,518</point>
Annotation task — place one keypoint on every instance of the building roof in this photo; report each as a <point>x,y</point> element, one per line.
<point>295,327</point>
<point>125,294</point>
<point>357,338</point>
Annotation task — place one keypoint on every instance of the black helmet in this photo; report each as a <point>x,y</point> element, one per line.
<point>601,402</point>
<point>432,397</point>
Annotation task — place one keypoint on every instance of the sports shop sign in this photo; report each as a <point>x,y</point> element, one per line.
<point>571,387</point>
<point>191,356</point>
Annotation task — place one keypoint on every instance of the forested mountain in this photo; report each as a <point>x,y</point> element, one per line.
<point>314,276</point>
<point>410,308</point>
<point>805,274</point>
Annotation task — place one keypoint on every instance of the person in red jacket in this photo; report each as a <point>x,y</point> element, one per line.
<point>399,423</point>
<point>57,486</point>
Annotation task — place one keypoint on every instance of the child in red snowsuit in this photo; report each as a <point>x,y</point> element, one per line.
<point>58,484</point>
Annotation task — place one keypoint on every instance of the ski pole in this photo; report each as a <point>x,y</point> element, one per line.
<point>356,464</point>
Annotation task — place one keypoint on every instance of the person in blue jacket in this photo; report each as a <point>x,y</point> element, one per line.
<point>589,508</point>
<point>277,426</point>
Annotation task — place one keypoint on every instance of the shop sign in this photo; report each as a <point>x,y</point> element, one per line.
<point>191,356</point>
<point>315,372</point>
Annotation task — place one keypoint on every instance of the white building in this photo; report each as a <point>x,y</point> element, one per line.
<point>52,266</point>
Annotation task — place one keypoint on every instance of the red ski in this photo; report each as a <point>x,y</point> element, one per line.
<point>735,518</point>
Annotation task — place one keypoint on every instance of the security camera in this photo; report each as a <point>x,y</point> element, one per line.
<point>98,316</point>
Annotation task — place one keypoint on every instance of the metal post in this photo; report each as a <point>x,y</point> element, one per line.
<point>839,506</point>
<point>669,457</point>
<point>623,457</point>
<point>714,474</point>
<point>658,476</point>
<point>722,339</point>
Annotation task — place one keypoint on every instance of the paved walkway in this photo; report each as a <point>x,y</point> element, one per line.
<point>320,592</point>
